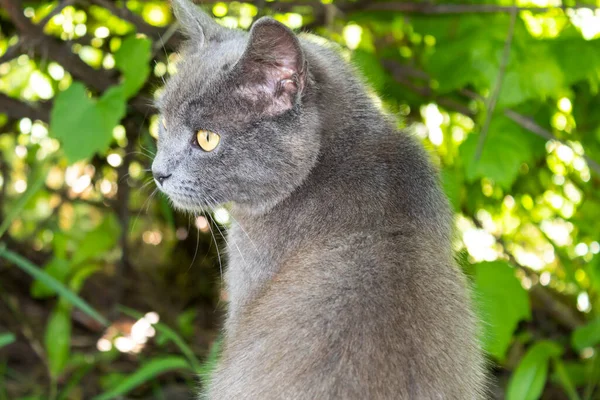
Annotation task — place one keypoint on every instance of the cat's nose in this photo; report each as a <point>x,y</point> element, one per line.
<point>160,177</point>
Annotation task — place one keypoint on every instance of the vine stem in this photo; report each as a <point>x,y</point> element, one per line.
<point>491,104</point>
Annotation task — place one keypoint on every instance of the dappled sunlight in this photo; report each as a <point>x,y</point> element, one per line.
<point>352,35</point>
<point>588,22</point>
<point>129,336</point>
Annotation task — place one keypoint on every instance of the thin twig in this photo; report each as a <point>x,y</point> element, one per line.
<point>430,8</point>
<point>17,109</point>
<point>12,52</point>
<point>56,10</point>
<point>534,128</point>
<point>405,76</point>
<point>491,105</point>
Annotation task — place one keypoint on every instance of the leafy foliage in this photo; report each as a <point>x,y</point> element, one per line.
<point>506,106</point>
<point>502,303</point>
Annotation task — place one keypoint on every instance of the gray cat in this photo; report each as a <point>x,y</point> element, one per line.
<point>341,277</point>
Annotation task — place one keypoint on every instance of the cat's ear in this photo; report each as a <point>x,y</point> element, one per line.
<point>196,24</point>
<point>273,66</point>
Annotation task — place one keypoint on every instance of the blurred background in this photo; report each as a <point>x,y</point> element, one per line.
<point>106,292</point>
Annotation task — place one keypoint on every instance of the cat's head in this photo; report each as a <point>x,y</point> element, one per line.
<point>237,120</point>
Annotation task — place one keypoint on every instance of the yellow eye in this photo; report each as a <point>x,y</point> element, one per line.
<point>207,140</point>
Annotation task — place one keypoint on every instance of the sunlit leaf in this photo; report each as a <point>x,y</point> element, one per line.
<point>84,125</point>
<point>586,336</point>
<point>452,181</point>
<point>502,303</point>
<point>133,59</point>
<point>528,380</point>
<point>505,149</point>
<point>564,379</point>
<point>81,275</point>
<point>371,68</point>
<point>98,241</point>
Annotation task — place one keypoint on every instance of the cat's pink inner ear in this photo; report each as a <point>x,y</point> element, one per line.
<point>273,63</point>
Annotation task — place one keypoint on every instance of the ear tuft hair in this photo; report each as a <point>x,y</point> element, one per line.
<point>273,65</point>
<point>196,24</point>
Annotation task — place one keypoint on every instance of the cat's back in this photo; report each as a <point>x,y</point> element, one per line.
<point>355,318</point>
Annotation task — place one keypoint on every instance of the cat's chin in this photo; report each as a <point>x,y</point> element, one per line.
<point>188,206</point>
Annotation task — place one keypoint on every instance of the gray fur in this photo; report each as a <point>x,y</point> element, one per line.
<point>341,277</point>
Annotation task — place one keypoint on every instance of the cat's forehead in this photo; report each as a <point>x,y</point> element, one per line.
<point>197,71</point>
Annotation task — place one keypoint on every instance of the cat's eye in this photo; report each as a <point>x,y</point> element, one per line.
<point>207,140</point>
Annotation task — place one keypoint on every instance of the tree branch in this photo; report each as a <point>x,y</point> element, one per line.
<point>536,129</point>
<point>430,8</point>
<point>56,10</point>
<point>17,109</point>
<point>171,36</point>
<point>403,76</point>
<point>12,52</point>
<point>54,49</point>
<point>124,13</point>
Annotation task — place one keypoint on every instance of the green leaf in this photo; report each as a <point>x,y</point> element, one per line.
<point>570,53</point>
<point>58,338</point>
<point>98,241</point>
<point>67,294</point>
<point>528,380</point>
<point>452,182</point>
<point>533,73</point>
<point>578,373</point>
<point>111,380</point>
<point>371,68</point>
<point>148,371</point>
<point>112,106</point>
<point>210,364</point>
<point>506,147</point>
<point>35,185</point>
<point>166,209</point>
<point>502,303</point>
<point>186,322</point>
<point>83,125</point>
<point>58,269</point>
<point>133,59</point>
<point>6,339</point>
<point>564,379</point>
<point>81,275</point>
<point>586,336</point>
<point>468,49</point>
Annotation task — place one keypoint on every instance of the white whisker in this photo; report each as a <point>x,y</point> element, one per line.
<point>140,210</point>
<point>216,245</point>
<point>225,239</point>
